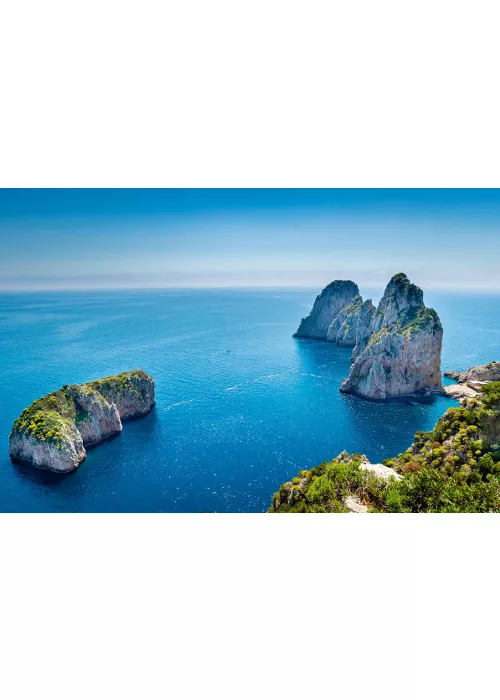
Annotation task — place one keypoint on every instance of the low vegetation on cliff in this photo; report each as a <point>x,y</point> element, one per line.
<point>126,382</point>
<point>425,317</point>
<point>52,433</point>
<point>325,488</point>
<point>454,468</point>
<point>50,418</point>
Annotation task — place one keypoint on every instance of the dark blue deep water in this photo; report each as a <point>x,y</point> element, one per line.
<point>241,405</point>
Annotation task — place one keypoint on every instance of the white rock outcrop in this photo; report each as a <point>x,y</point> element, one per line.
<point>380,470</point>
<point>460,392</point>
<point>352,502</point>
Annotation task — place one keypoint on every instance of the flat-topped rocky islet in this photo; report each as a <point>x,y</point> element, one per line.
<point>53,432</point>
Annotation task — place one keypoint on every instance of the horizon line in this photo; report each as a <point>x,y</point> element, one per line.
<point>477,289</point>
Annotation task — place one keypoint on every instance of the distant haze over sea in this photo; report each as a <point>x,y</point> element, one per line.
<point>91,239</point>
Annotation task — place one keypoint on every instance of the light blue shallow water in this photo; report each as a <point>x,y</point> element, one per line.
<point>241,405</point>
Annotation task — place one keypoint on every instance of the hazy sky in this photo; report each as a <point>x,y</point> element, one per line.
<point>53,239</point>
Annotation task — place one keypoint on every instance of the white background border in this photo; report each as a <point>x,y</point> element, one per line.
<point>248,94</point>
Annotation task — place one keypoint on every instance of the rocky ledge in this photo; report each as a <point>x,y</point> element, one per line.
<point>479,374</point>
<point>54,431</point>
<point>460,392</point>
<point>396,345</point>
<point>469,383</point>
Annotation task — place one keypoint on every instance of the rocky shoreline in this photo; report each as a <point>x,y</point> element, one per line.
<point>54,431</point>
<point>470,382</point>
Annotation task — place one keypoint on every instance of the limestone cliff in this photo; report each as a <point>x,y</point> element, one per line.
<point>96,418</point>
<point>61,456</point>
<point>396,346</point>
<point>342,330</point>
<point>351,328</point>
<point>53,431</point>
<point>334,297</point>
<point>363,327</point>
<point>402,355</point>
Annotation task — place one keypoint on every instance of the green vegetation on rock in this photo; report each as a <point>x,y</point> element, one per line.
<point>324,488</point>
<point>409,327</point>
<point>354,307</point>
<point>53,417</point>
<point>49,419</point>
<point>454,468</point>
<point>377,337</point>
<point>424,318</point>
<point>401,278</point>
<point>111,387</point>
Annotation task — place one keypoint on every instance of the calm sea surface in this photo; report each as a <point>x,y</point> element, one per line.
<point>241,405</point>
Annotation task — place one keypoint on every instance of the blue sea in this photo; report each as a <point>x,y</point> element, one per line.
<point>241,405</point>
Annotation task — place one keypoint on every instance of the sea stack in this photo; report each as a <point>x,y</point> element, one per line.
<point>326,308</point>
<point>401,353</point>
<point>396,346</point>
<point>52,433</point>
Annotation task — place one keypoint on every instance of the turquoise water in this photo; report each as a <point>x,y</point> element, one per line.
<point>241,405</point>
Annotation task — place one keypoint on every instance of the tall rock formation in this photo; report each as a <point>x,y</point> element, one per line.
<point>326,308</point>
<point>403,353</point>
<point>53,431</point>
<point>396,346</point>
